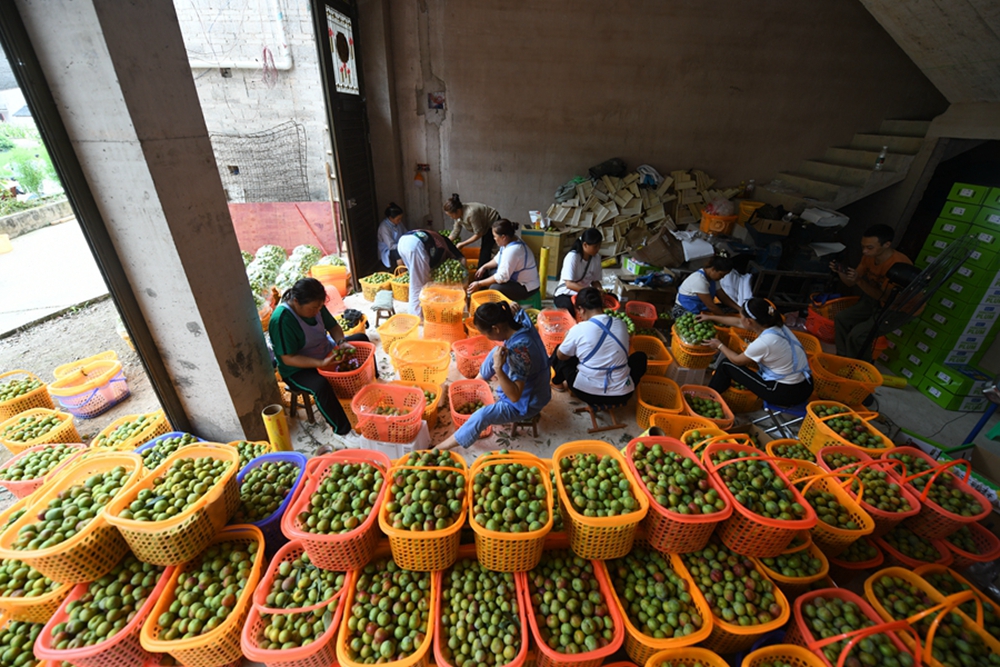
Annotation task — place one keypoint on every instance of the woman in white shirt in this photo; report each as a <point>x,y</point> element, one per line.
<point>593,359</point>
<point>390,230</point>
<point>698,291</point>
<point>784,379</point>
<point>514,270</point>
<point>581,268</point>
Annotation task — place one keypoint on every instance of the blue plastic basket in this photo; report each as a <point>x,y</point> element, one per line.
<point>152,443</point>
<point>274,539</point>
<point>97,401</point>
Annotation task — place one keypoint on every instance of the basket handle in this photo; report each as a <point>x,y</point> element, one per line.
<point>725,439</point>
<point>855,636</point>
<point>937,470</point>
<point>812,479</point>
<point>944,608</point>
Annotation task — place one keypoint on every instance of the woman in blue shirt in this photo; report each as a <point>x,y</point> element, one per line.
<point>520,365</point>
<point>389,232</point>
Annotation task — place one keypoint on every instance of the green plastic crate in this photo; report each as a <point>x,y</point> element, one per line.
<point>959,379</point>
<point>949,228</point>
<point>968,193</point>
<point>959,211</point>
<point>948,400</point>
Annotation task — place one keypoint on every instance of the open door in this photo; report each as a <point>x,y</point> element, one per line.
<point>336,23</point>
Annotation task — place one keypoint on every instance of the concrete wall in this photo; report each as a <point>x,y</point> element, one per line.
<point>539,92</point>
<point>22,222</point>
<point>235,34</point>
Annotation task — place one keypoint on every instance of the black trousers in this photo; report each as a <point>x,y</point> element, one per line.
<point>565,301</point>
<point>514,291</point>
<point>310,381</point>
<point>486,247</point>
<point>567,370</point>
<point>772,391</point>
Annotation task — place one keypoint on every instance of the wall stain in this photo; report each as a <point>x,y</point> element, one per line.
<point>188,365</point>
<point>194,328</point>
<point>183,381</point>
<point>150,292</point>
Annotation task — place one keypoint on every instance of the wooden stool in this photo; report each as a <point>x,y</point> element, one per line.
<point>383,306</point>
<point>533,423</point>
<point>293,403</point>
<point>593,410</point>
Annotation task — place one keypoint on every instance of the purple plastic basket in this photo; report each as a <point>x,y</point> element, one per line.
<point>274,539</point>
<point>97,401</point>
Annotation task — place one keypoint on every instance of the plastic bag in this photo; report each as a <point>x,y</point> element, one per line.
<point>721,207</point>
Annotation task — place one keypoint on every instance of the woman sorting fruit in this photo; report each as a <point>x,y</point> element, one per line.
<point>476,218</point>
<point>390,230</point>
<point>784,378</point>
<point>698,291</point>
<point>515,272</point>
<point>423,251</point>
<point>305,336</point>
<point>520,366</point>
<point>593,360</point>
<point>580,269</point>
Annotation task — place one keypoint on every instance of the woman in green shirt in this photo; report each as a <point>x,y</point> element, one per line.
<point>304,336</point>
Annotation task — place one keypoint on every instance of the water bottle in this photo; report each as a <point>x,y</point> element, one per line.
<point>880,160</point>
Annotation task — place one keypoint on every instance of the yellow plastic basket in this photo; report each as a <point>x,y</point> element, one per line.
<point>815,434</point>
<point>396,328</point>
<point>400,287</point>
<point>66,369</point>
<point>431,409</point>
<point>370,288</point>
<point>36,398</point>
<point>37,609</point>
<point>63,432</point>
<point>657,395</point>
<point>831,539</point>
<point>421,360</point>
<point>793,587</point>
<point>442,305</point>
<point>794,656</point>
<point>156,425</point>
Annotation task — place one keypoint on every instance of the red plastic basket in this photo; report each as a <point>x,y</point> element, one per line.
<point>704,392</point>
<point>471,352</point>
<point>461,392</point>
<point>657,355</point>
<point>671,532</point>
<point>389,428</point>
<point>552,327</point>
<point>643,314</point>
<point>346,385</point>
<point>898,558</point>
<point>819,321</point>
<point>986,542</point>
<point>610,301</point>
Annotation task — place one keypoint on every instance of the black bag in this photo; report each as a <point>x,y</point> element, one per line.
<point>613,167</point>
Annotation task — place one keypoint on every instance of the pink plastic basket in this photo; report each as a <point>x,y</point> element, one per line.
<point>643,314</point>
<point>470,354</point>
<point>465,391</point>
<point>389,428</point>
<point>552,326</point>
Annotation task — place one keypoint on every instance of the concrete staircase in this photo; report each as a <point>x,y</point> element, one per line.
<point>845,175</point>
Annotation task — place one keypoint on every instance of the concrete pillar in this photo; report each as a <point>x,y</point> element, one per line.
<point>120,77</point>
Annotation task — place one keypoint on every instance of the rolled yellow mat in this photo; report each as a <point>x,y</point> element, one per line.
<point>893,381</point>
<point>277,428</point>
<point>543,269</point>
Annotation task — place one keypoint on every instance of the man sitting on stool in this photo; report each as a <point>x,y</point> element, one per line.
<point>853,324</point>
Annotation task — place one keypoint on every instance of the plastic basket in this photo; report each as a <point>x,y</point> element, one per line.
<point>718,224</point>
<point>471,352</point>
<point>64,432</point>
<point>268,447</point>
<point>468,552</point>
<point>819,321</point>
<point>928,568</point>
<point>689,656</point>
<point>742,400</point>
<point>553,325</point>
<point>511,552</point>
<point>221,646</point>
<point>396,328</point>
<point>643,314</point>
<point>843,379</point>
<point>794,656</point>
<point>421,654</point>
<point>331,276</point>
<point>809,342</point>
<point>95,550</point>
<point>370,288</point>
<point>461,392</point>
<point>91,390</point>
<point>877,560</point>
<point>815,434</point>
<point>389,428</point>
<point>832,539</point>
<point>431,408</point>
<point>550,658</point>
<point>658,356</point>
<point>65,369</point>
<point>345,551</point>
<point>477,299</point>
<point>672,532</point>
<point>121,650</point>
<point>897,558</point>
<point>600,538</point>
<point>156,424</point>
<point>987,543</point>
<point>36,398</point>
<point>37,609</point>
<point>270,526</point>
<point>400,288</point>
<point>704,392</point>
<point>155,441</point>
<point>182,537</point>
<point>442,305</point>
<point>289,552</point>
<point>421,360</point>
<point>609,300</point>
<point>793,587</point>
<point>690,356</point>
<point>657,395</point>
<point>449,333</point>
<point>674,426</point>
<point>357,328</point>
<point>24,488</point>
<point>349,383</point>
<point>747,533</point>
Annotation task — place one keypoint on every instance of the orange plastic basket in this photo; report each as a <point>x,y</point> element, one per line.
<point>547,657</point>
<point>874,562</point>
<point>897,558</point>
<point>322,652</point>
<point>471,352</point>
<point>349,383</point>
<point>477,299</point>
<point>510,552</point>
<point>815,434</point>
<point>92,552</point>
<point>65,431</point>
<point>221,646</point>
<point>389,428</point>
<point>742,400</point>
<point>963,583</point>
<point>370,288</point>
<point>832,539</point>
<point>121,650</point>
<point>462,392</point>
<point>810,343</point>
<point>449,333</point>
<point>400,288</point>
<point>793,587</point>
<point>748,533</point>
<point>431,408</point>
<point>934,521</point>
<point>442,305</point>
<point>794,656</point>
<point>771,448</point>
<point>643,314</point>
<point>599,538</point>
<point>704,392</point>
<point>421,654</point>
<point>718,224</point>
<point>689,656</point>
<point>553,325</point>
<point>36,398</point>
<point>819,321</point>
<point>676,425</point>
<point>843,379</point>
<point>690,356</point>
<point>396,328</point>
<point>421,360</point>
<point>657,395</point>
<point>424,551</point>
<point>25,487</point>
<point>468,552</point>
<point>288,553</point>
<point>641,647</point>
<point>986,542</point>
<point>65,369</point>
<point>672,532</point>
<point>156,424</point>
<point>658,356</point>
<point>345,551</point>
<point>37,609</point>
<point>181,537</point>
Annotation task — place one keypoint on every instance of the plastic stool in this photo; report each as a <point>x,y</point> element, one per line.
<point>593,410</point>
<point>773,413</point>
<point>293,403</point>
<point>533,301</point>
